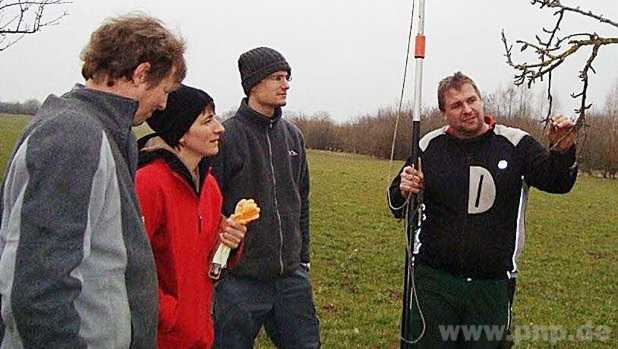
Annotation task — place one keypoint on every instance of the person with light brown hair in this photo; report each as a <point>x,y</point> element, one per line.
<point>76,268</point>
<point>135,49</point>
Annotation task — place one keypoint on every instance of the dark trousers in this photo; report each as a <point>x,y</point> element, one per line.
<point>461,312</point>
<point>284,307</point>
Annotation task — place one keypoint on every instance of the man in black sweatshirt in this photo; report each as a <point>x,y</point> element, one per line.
<point>262,157</point>
<point>475,178</point>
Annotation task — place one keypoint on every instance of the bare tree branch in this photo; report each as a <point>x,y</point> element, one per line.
<point>555,50</point>
<point>19,18</point>
<point>557,4</point>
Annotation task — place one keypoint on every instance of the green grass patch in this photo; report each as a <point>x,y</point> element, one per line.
<point>568,270</point>
<point>10,129</point>
<point>567,277</point>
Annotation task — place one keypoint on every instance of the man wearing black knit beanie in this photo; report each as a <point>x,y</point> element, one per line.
<point>262,157</point>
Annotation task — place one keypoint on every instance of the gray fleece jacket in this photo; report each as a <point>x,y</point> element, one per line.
<point>76,268</point>
<point>264,159</point>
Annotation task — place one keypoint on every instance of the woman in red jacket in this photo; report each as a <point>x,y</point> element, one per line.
<point>181,204</point>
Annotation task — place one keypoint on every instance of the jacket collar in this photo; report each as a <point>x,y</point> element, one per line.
<point>115,114</point>
<point>114,111</point>
<point>489,120</point>
<point>167,154</point>
<point>246,112</point>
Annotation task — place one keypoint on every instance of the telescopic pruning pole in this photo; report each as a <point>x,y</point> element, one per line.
<point>419,55</point>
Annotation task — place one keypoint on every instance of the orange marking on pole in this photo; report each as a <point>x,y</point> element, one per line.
<point>419,49</point>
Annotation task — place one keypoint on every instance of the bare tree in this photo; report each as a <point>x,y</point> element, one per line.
<point>552,48</point>
<point>524,107</point>
<point>21,17</point>
<point>508,100</point>
<point>611,150</point>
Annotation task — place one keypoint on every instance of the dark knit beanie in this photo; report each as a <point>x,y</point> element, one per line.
<point>256,64</point>
<point>184,105</point>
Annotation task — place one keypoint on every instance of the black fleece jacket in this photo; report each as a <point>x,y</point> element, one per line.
<point>264,159</point>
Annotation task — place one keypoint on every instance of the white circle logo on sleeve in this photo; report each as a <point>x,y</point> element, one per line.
<point>482,190</point>
<point>502,164</point>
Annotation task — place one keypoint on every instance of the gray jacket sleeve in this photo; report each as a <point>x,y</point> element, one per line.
<point>58,166</point>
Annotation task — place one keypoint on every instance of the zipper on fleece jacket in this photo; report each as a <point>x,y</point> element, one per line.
<point>199,217</point>
<point>272,171</point>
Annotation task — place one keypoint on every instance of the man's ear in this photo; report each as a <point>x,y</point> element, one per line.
<point>140,74</point>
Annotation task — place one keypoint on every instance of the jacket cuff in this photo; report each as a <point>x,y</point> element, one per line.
<point>395,200</point>
<point>564,159</point>
<point>235,254</point>
<point>305,257</point>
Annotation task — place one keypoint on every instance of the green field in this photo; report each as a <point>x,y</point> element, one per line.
<point>568,272</point>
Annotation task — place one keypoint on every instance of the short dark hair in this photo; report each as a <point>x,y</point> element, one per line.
<point>455,81</point>
<point>122,43</point>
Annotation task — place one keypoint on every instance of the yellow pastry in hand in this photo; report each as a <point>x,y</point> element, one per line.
<point>246,211</point>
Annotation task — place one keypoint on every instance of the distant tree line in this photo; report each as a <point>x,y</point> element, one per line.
<point>372,134</point>
<point>29,107</point>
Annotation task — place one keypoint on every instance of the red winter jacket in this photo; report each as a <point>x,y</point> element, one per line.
<point>183,231</point>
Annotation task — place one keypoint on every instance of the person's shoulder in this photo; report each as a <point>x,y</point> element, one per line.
<point>157,168</point>
<point>234,125</point>
<point>292,126</point>
<point>155,174</point>
<point>210,183</point>
<point>62,141</point>
<point>63,134</point>
<point>512,134</point>
<point>431,136</point>
<point>60,117</point>
<point>233,120</point>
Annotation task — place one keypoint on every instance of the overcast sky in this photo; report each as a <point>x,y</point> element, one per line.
<point>347,56</point>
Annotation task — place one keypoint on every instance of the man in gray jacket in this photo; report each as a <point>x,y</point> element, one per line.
<point>262,156</point>
<point>76,269</point>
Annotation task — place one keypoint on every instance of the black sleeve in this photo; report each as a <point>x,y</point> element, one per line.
<point>551,171</point>
<point>396,202</point>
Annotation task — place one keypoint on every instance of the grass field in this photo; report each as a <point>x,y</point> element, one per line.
<point>568,275</point>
